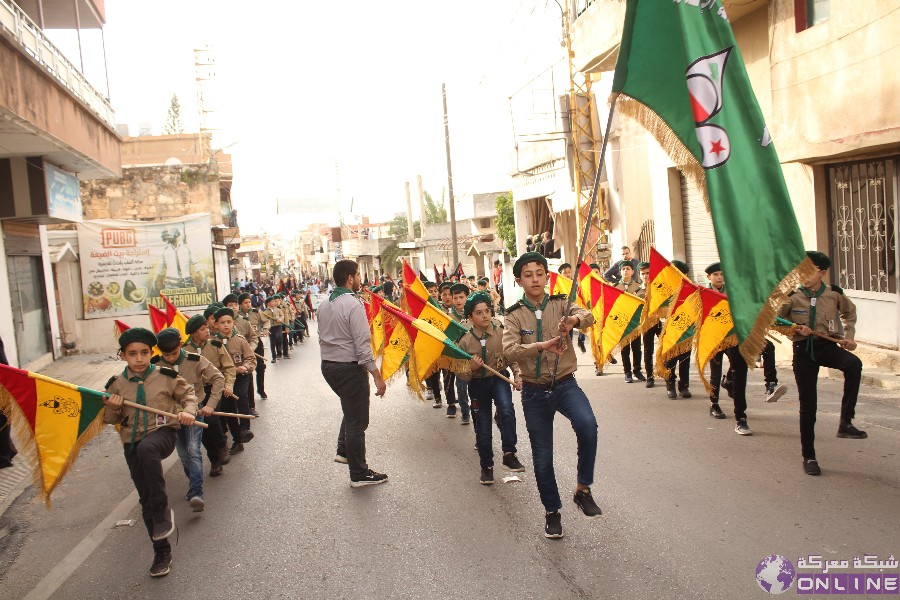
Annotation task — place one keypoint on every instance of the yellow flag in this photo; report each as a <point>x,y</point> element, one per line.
<point>678,334</point>
<point>716,330</point>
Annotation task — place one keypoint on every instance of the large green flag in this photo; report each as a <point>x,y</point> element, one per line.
<point>681,75</point>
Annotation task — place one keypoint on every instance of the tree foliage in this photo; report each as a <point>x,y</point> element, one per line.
<point>173,123</point>
<point>506,226</point>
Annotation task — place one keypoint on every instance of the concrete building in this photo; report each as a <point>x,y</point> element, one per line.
<point>56,129</point>
<point>823,75</point>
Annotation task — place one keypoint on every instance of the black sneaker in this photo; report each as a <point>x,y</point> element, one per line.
<point>253,412</point>
<point>370,478</point>
<point>728,386</point>
<point>164,526</point>
<point>613,361</point>
<point>511,462</point>
<point>437,403</point>
<point>639,376</point>
<point>684,391</point>
<point>586,503</point>
<point>670,390</point>
<point>451,411</point>
<point>263,395</point>
<point>650,382</point>
<point>161,564</point>
<point>235,448</point>
<point>774,391</point>
<point>847,430</point>
<point>581,346</point>
<point>741,427</point>
<point>487,476</point>
<point>629,378</point>
<point>246,436</point>
<point>553,528</point>
<point>811,466</point>
<point>715,411</point>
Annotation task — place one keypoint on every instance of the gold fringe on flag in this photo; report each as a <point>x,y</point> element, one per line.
<point>755,341</point>
<point>727,343</point>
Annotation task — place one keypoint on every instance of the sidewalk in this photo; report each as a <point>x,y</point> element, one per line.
<point>87,370</point>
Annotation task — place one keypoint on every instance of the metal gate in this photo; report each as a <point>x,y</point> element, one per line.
<point>699,238</point>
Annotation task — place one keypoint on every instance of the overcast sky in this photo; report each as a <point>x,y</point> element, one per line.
<point>316,96</point>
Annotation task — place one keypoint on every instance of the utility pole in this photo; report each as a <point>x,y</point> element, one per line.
<point>410,226</point>
<point>423,217</point>
<point>450,180</point>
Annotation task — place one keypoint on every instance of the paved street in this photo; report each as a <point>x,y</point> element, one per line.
<point>690,507</point>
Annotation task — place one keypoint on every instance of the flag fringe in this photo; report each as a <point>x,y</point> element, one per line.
<point>729,342</point>
<point>673,352</point>
<point>668,140</point>
<point>756,339</point>
<point>628,338</point>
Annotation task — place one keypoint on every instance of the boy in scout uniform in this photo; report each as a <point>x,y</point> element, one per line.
<point>245,361</point>
<point>244,327</point>
<point>200,373</point>
<point>825,309</point>
<point>288,315</point>
<point>214,351</point>
<point>647,338</point>
<point>484,341</point>
<point>149,438</point>
<point>627,284</point>
<point>274,316</point>
<point>534,328</point>
<point>458,292</point>
<point>433,382</point>
<point>679,366</point>
<point>261,325</point>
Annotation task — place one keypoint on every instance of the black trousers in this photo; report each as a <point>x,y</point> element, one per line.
<point>237,405</point>
<point>434,384</point>
<point>275,341</point>
<point>635,346</point>
<point>7,448</point>
<point>683,361</point>
<point>449,386</point>
<point>737,373</point>
<point>351,384</point>
<point>768,356</point>
<point>285,339</point>
<point>144,459</point>
<point>260,370</point>
<point>649,345</point>
<point>213,439</point>
<point>806,373</point>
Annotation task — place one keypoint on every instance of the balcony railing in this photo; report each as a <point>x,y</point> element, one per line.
<point>34,43</point>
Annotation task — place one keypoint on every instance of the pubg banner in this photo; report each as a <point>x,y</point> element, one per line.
<point>126,265</point>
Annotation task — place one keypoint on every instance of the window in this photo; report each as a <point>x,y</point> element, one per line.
<point>810,12</point>
<point>863,224</point>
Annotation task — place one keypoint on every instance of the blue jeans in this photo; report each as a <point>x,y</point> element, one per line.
<point>462,396</point>
<point>483,392</point>
<point>540,407</point>
<point>187,444</point>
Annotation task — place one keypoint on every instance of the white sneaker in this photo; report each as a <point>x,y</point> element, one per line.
<point>340,459</point>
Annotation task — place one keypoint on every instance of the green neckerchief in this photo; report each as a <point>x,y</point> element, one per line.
<point>538,312</point>
<point>199,348</point>
<point>456,314</point>
<point>140,398</point>
<point>338,292</point>
<point>181,357</point>
<point>812,317</point>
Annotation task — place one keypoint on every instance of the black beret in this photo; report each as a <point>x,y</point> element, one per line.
<point>474,300</point>
<point>563,267</point>
<point>376,288</point>
<point>223,312</point>
<point>430,284</point>
<point>713,268</point>
<point>194,323</point>
<point>482,281</point>
<point>595,266</point>
<point>460,288</point>
<point>243,296</point>
<point>681,266</point>
<point>270,298</point>
<point>528,257</point>
<point>445,285</point>
<point>137,334</point>
<point>627,263</point>
<point>168,339</point>
<point>643,265</point>
<point>819,259</point>
<point>471,277</point>
<point>229,298</point>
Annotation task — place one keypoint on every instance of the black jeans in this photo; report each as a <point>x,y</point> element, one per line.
<point>7,448</point>
<point>806,373</point>
<point>351,384</point>
<point>768,356</point>
<point>635,346</point>
<point>285,339</point>
<point>275,341</point>
<point>649,345</point>
<point>434,384</point>
<point>144,460</point>
<point>684,368</point>
<point>213,439</point>
<point>260,373</point>
<point>237,405</point>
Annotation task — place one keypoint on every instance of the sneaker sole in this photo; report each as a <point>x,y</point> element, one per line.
<point>340,460</point>
<point>553,536</point>
<point>779,392</point>
<point>491,482</point>
<point>365,483</point>
<point>161,573</point>
<point>157,538</point>
<point>511,470</point>
<point>743,432</point>
<point>850,436</point>
<point>451,416</point>
<point>587,516</point>
<point>464,422</point>
<point>197,504</point>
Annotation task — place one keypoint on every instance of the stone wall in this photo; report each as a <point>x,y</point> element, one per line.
<point>154,193</point>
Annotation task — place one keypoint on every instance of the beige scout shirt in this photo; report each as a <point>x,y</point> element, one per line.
<point>520,341</point>
<point>258,320</point>
<point>835,312</point>
<point>241,352</point>
<point>246,329</point>
<point>163,388</point>
<point>198,372</point>
<point>457,316</point>
<point>471,343</point>
<point>632,287</point>
<point>214,351</point>
<point>274,315</point>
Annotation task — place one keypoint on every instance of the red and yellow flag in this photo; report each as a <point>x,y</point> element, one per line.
<point>716,330</point>
<point>53,420</point>
<point>662,288</point>
<point>177,319</point>
<point>583,294</point>
<point>678,334</point>
<point>158,318</point>
<point>422,350</point>
<point>620,319</point>
<point>412,283</point>
<point>375,316</point>
<point>559,284</point>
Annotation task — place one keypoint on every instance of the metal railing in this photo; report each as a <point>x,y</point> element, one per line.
<point>15,22</point>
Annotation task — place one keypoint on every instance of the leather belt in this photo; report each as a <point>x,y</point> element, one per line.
<point>546,386</point>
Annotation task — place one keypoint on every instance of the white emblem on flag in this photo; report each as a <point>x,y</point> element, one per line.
<point>704,81</point>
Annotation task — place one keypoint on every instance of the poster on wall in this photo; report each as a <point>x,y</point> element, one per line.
<point>126,265</point>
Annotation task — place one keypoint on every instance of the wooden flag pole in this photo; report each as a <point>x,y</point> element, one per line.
<point>234,415</point>
<point>156,411</point>
<point>498,374</point>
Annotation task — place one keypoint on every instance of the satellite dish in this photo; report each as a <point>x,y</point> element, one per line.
<point>173,162</point>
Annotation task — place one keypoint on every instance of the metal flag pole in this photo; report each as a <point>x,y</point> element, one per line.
<point>587,226</point>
